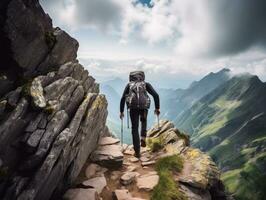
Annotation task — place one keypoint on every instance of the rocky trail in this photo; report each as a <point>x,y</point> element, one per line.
<point>112,172</point>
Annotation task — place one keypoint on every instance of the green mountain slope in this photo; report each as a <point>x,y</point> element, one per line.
<point>176,102</point>
<point>230,124</point>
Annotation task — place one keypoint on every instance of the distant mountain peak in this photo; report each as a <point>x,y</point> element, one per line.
<point>225,70</point>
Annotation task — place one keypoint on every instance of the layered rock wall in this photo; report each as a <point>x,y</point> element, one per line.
<point>51,112</point>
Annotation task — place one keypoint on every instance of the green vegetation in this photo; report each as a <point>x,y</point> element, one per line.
<point>155,144</point>
<point>229,124</point>
<point>167,188</point>
<point>172,163</point>
<point>246,183</point>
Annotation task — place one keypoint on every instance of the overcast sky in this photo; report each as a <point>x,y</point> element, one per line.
<point>174,41</point>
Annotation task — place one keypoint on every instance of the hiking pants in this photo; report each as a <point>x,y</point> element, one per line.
<point>137,115</point>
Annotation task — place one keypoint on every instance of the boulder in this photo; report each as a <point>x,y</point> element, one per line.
<point>108,141</point>
<point>81,194</point>
<point>94,170</point>
<point>131,168</point>
<point>147,182</point>
<point>36,92</point>
<point>133,159</point>
<point>122,194</point>
<point>199,170</point>
<point>128,177</point>
<point>98,183</point>
<point>109,156</point>
<point>151,162</point>
<point>144,159</point>
<point>195,194</point>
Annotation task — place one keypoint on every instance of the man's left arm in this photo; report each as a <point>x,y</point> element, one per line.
<point>155,96</point>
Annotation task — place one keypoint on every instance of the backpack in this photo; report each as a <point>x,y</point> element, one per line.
<point>137,97</point>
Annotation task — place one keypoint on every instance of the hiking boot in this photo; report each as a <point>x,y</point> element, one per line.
<point>137,155</point>
<point>143,143</point>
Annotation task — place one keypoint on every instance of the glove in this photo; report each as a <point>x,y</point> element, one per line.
<point>157,112</point>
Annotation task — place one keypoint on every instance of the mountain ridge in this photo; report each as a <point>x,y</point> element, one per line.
<point>225,123</point>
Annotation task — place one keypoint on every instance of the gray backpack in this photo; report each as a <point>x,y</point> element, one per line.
<point>137,97</point>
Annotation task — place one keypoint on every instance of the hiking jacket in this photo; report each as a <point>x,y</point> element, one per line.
<point>149,89</point>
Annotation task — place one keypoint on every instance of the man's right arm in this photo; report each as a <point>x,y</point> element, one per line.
<point>123,99</point>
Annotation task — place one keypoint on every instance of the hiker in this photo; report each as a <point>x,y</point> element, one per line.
<point>138,102</point>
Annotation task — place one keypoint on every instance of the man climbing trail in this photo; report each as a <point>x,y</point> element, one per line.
<point>138,103</point>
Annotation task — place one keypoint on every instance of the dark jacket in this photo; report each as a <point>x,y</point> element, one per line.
<point>149,89</point>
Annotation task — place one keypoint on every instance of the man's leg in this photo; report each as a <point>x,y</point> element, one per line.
<point>143,119</point>
<point>134,116</point>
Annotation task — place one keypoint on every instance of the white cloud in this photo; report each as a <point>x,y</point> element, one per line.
<point>203,35</point>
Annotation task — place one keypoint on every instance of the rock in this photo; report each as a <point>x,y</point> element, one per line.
<point>34,140</point>
<point>108,141</point>
<point>81,194</point>
<point>64,50</point>
<point>131,168</point>
<point>115,175</point>
<point>195,194</point>
<point>128,178</point>
<point>91,170</point>
<point>98,183</point>
<point>13,96</point>
<point>2,106</point>
<point>199,170</point>
<point>36,92</point>
<point>129,151</point>
<point>143,150</point>
<point>148,163</point>
<point>144,159</point>
<point>147,182</point>
<point>122,194</point>
<point>124,147</point>
<point>127,163</point>
<point>52,114</point>
<point>25,27</point>
<point>109,156</point>
<point>133,159</point>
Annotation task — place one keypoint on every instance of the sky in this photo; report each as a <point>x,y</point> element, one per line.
<point>173,41</point>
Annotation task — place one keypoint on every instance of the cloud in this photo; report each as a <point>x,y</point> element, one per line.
<point>211,28</point>
<point>78,14</point>
<point>236,25</point>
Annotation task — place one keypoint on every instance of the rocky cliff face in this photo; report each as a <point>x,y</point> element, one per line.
<point>51,112</point>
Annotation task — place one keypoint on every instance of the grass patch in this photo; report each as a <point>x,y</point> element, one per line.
<point>167,188</point>
<point>171,163</point>
<point>155,144</point>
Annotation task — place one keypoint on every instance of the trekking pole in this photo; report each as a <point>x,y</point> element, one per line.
<point>127,119</point>
<point>121,131</point>
<point>158,121</point>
